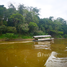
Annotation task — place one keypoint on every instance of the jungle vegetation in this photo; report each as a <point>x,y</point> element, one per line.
<point>25,22</point>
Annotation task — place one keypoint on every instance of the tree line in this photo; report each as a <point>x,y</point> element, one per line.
<point>26,21</point>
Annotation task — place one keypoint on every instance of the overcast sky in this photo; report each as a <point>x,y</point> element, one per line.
<point>55,8</point>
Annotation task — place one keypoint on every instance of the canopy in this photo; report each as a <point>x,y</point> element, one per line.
<point>42,36</point>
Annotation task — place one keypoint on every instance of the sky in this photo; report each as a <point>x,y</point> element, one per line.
<point>55,8</point>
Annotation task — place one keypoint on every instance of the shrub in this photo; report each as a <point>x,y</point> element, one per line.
<point>3,29</point>
<point>65,36</point>
<point>39,32</point>
<point>10,35</point>
<point>58,36</point>
<point>11,30</point>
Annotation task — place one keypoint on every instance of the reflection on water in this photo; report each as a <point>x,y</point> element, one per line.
<point>42,45</point>
<point>34,54</point>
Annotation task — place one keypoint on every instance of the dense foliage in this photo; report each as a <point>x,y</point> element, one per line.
<point>26,21</point>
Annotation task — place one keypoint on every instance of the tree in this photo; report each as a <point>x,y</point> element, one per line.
<point>32,15</point>
<point>28,17</point>
<point>3,29</point>
<point>2,14</point>
<point>36,11</point>
<point>26,20</point>
<point>23,28</point>
<point>21,8</point>
<point>33,27</point>
<point>15,19</point>
<point>51,18</point>
<point>11,30</point>
<point>11,10</point>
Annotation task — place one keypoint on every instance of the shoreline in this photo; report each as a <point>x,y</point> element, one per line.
<point>22,39</point>
<point>14,39</point>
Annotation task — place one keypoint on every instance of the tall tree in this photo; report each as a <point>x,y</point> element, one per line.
<point>51,18</point>
<point>21,8</point>
<point>28,17</point>
<point>11,10</point>
<point>2,14</point>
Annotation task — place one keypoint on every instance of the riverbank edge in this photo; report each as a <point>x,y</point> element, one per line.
<point>23,39</point>
<point>15,39</point>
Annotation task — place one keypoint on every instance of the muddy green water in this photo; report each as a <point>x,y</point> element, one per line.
<point>34,54</point>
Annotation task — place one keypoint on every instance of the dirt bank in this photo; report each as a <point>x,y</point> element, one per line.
<point>15,39</point>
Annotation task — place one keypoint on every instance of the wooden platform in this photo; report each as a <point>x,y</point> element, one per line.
<point>42,38</point>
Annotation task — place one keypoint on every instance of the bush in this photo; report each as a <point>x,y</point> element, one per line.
<point>26,37</point>
<point>39,33</point>
<point>3,29</point>
<point>24,27</point>
<point>10,35</point>
<point>31,34</point>
<point>11,29</point>
<point>58,36</point>
<point>65,36</point>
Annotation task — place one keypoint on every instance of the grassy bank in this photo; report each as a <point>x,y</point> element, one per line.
<point>10,36</point>
<point>14,36</point>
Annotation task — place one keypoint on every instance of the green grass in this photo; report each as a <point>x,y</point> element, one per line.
<point>8,36</point>
<point>14,36</point>
<point>25,36</point>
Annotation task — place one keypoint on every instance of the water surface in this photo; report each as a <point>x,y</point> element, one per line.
<point>34,54</point>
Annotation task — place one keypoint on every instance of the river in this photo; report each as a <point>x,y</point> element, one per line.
<point>33,54</point>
